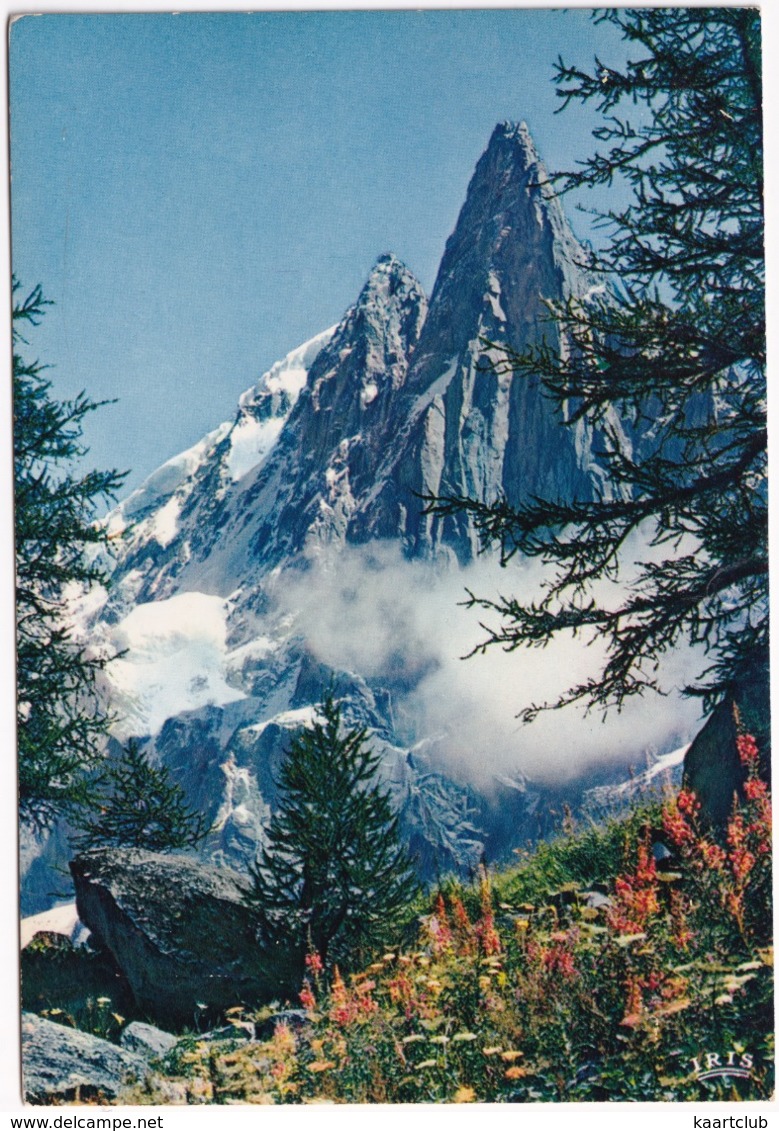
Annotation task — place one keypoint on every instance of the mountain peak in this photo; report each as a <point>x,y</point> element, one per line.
<point>472,429</point>
<point>222,594</point>
<point>389,271</point>
<point>518,130</point>
<point>516,137</point>
<point>391,286</point>
<point>511,229</point>
<point>388,262</point>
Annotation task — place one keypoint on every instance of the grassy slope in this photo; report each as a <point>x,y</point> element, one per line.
<point>519,989</point>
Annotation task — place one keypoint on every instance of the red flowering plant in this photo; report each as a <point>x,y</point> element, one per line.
<point>484,929</point>
<point>748,847</point>
<point>522,989</point>
<point>734,869</point>
<point>635,899</point>
<point>713,907</point>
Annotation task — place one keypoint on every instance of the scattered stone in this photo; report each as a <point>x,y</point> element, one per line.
<point>48,940</point>
<point>61,921</point>
<point>661,852</point>
<point>235,1031</point>
<point>62,1064</point>
<point>594,899</point>
<point>147,1040</point>
<point>172,1092</point>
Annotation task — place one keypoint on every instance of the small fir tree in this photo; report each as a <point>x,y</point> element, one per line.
<point>333,877</point>
<point>137,805</point>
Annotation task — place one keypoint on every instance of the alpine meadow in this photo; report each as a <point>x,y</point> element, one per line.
<point>405,738</point>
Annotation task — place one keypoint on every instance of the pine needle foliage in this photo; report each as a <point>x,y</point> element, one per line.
<point>333,878</point>
<point>668,361</point>
<point>60,723</point>
<point>137,805</point>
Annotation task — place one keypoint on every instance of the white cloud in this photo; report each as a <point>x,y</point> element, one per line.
<point>368,610</point>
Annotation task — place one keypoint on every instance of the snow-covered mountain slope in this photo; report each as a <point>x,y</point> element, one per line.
<point>183,501</point>
<point>290,549</point>
<point>171,658</point>
<point>327,455</point>
<point>663,772</point>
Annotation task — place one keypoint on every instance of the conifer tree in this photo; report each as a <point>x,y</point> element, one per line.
<point>135,804</point>
<point>333,876</point>
<point>60,722</point>
<point>669,361</point>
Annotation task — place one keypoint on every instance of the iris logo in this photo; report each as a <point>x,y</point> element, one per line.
<point>714,1065</point>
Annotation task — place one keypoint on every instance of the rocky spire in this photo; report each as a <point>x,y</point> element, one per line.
<point>467,429</point>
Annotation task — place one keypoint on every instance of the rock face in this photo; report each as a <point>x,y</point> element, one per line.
<point>172,525</point>
<point>397,402</point>
<point>337,441</point>
<point>468,428</point>
<point>712,768</point>
<point>328,457</point>
<point>290,471</point>
<point>176,928</point>
<point>146,1040</point>
<point>61,1064</point>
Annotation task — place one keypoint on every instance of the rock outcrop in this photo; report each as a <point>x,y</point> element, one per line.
<point>147,1040</point>
<point>65,1065</point>
<point>177,929</point>
<point>711,766</point>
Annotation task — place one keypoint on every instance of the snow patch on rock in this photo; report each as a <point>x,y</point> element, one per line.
<point>289,374</point>
<point>250,443</point>
<point>369,394</point>
<point>263,409</point>
<point>175,660</point>
<point>294,719</point>
<point>60,920</point>
<point>165,480</point>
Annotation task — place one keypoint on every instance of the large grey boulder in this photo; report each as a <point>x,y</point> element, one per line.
<point>711,766</point>
<point>59,1063</point>
<point>177,929</point>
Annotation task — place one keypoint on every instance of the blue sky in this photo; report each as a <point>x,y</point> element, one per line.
<point>200,193</point>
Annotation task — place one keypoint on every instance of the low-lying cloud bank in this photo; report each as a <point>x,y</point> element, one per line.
<point>368,610</point>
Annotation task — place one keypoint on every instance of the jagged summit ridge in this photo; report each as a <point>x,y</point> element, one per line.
<point>468,429</point>
<point>282,476</point>
<point>398,401</point>
<point>175,513</point>
<point>327,455</point>
<point>518,132</point>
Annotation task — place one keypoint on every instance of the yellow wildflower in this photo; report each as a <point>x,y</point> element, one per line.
<point>464,1095</point>
<point>515,1072</point>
